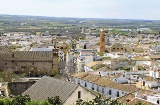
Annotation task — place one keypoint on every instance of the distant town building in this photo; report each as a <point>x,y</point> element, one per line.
<point>83,29</point>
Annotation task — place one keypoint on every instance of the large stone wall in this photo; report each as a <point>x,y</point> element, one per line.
<point>17,88</point>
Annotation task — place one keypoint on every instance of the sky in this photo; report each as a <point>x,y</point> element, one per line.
<point>115,9</point>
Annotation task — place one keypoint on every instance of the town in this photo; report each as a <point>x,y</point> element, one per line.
<point>80,61</point>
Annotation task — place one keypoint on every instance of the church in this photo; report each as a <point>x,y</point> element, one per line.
<point>29,62</point>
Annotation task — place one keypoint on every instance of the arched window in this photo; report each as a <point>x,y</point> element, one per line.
<point>157,101</point>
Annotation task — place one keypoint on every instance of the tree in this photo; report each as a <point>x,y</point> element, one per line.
<point>21,100</point>
<point>55,100</point>
<point>1,102</point>
<point>139,103</point>
<point>98,100</point>
<point>79,102</point>
<point>37,102</point>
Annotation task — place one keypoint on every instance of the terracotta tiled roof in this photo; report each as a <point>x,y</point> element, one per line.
<point>130,99</point>
<point>136,101</point>
<point>90,64</point>
<point>91,78</point>
<point>147,78</point>
<point>154,56</point>
<point>80,75</point>
<point>102,81</point>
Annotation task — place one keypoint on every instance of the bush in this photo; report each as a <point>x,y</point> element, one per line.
<point>21,100</point>
<point>7,101</point>
<point>1,102</point>
<point>96,67</point>
<point>55,100</point>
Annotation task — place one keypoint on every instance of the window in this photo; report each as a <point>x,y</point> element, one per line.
<point>103,90</point>
<point>121,48</point>
<point>13,55</point>
<point>79,94</point>
<point>92,87</point>
<point>118,94</point>
<point>97,88</point>
<point>79,82</point>
<point>110,92</point>
<point>143,83</point>
<point>32,63</point>
<point>157,101</point>
<point>5,64</point>
<point>85,85</point>
<point>102,39</point>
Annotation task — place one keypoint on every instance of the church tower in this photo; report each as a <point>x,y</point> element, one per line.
<point>55,63</point>
<point>102,40</point>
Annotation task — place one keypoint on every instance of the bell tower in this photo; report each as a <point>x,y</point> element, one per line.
<point>102,40</point>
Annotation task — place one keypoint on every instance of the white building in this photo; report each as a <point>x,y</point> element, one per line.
<point>103,85</point>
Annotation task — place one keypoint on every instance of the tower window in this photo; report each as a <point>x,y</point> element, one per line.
<point>102,39</point>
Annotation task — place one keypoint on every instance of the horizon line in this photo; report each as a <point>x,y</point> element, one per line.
<point>81,17</point>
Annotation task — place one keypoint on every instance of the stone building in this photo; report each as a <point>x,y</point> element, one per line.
<point>117,47</point>
<point>28,60</point>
